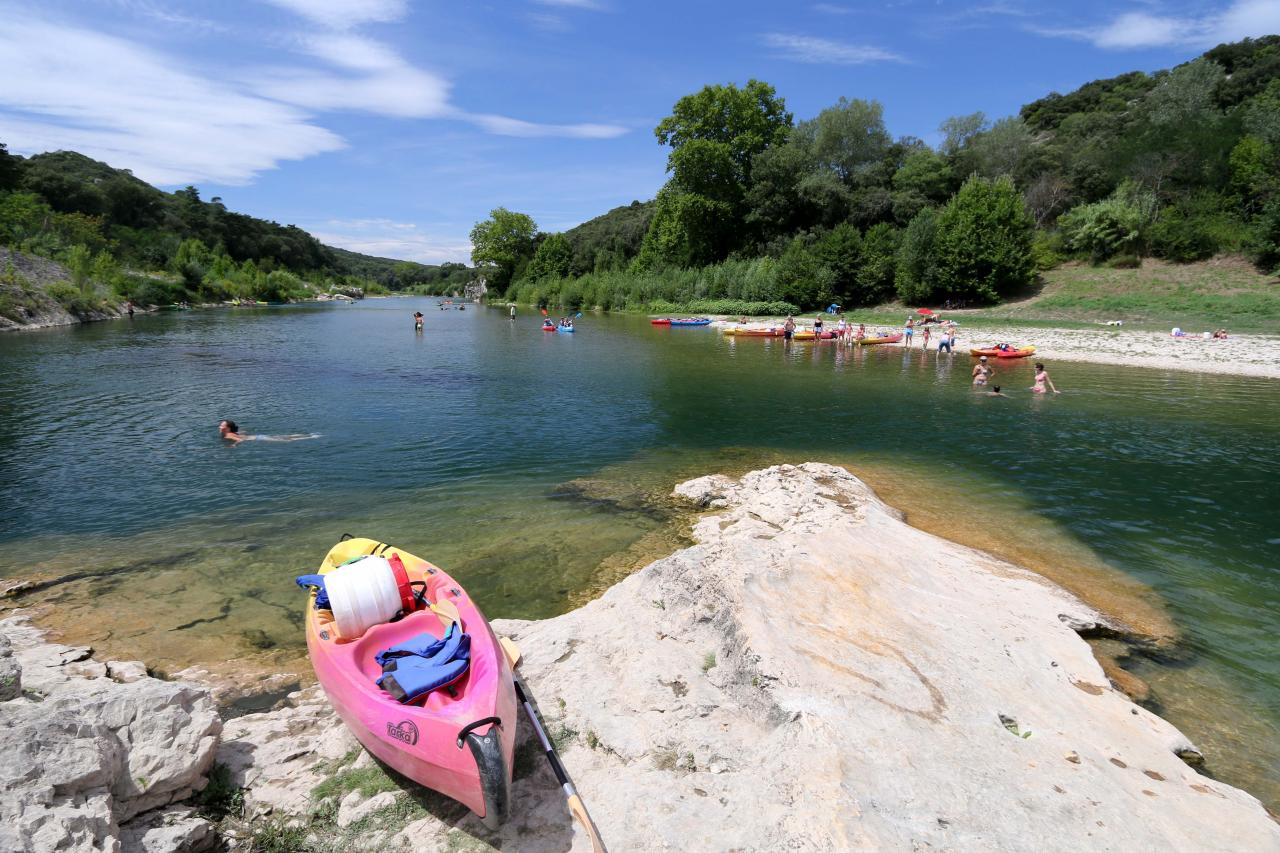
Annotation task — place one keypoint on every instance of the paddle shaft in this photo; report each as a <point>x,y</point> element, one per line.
<point>562,776</point>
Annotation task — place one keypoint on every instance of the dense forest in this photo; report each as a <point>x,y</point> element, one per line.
<point>121,238</point>
<point>762,212</point>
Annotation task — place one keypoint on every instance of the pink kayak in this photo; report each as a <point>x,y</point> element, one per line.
<point>457,740</point>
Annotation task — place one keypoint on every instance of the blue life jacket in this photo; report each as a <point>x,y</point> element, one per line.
<point>414,668</point>
<point>322,596</point>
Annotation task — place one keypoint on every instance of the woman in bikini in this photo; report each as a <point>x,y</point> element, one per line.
<point>1042,379</point>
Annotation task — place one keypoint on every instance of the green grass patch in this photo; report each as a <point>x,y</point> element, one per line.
<point>220,797</point>
<point>367,780</point>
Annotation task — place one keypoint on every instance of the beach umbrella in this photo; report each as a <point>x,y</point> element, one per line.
<point>925,311</point>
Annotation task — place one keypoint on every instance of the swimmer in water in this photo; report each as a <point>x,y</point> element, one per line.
<point>995,392</point>
<point>1042,379</point>
<point>228,430</point>
<point>231,432</point>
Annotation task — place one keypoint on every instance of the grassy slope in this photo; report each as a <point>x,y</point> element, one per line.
<point>1223,292</point>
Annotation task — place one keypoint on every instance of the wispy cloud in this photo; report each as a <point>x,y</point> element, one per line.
<point>548,22</point>
<point>71,87</point>
<point>1136,30</point>
<point>391,239</point>
<point>345,14</point>
<point>117,101</point>
<point>504,126</point>
<point>825,51</point>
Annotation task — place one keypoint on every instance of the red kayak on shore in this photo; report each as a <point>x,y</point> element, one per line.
<point>993,352</point>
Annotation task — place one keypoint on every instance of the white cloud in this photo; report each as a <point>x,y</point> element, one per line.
<point>117,101</point>
<point>65,87</point>
<point>826,52</point>
<point>1136,30</point>
<point>345,14</point>
<point>390,239</point>
<point>378,80</point>
<point>504,126</point>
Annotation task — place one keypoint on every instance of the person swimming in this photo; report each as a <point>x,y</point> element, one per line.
<point>229,430</point>
<point>995,392</point>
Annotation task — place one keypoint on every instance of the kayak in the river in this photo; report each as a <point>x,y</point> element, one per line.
<point>445,715</point>
<point>754,333</point>
<point>691,321</point>
<point>547,327</point>
<point>564,330</point>
<point>887,339</point>
<point>993,352</point>
<point>661,321</point>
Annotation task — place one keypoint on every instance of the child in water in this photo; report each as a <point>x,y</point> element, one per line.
<point>417,321</point>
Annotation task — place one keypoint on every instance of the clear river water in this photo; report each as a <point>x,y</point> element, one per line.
<point>534,466</point>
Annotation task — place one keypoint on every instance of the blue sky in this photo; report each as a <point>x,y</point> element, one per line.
<point>391,126</point>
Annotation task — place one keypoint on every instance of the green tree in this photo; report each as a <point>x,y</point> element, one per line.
<point>79,262</point>
<point>983,241</point>
<point>923,179</point>
<point>22,216</point>
<point>959,131</point>
<point>802,278</point>
<point>191,262</point>
<point>714,136</point>
<point>877,265</point>
<point>917,273</point>
<point>997,151</point>
<point>848,139</point>
<point>502,243</point>
<point>746,120</point>
<point>10,169</point>
<point>840,250</point>
<point>1109,227</point>
<point>553,259</point>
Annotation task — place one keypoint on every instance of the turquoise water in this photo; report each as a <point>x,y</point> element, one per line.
<point>526,463</point>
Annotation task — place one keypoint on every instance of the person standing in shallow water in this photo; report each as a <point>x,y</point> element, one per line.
<point>1042,379</point>
<point>417,321</point>
<point>981,372</point>
<point>789,327</point>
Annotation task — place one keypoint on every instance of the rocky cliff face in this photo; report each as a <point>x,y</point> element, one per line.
<point>23,301</point>
<point>813,674</point>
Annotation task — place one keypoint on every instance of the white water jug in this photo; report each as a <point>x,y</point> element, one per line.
<point>362,594</point>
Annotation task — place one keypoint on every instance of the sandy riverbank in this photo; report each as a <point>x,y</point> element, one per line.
<point>1243,355</point>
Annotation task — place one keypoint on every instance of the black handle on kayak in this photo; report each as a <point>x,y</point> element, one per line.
<point>470,727</point>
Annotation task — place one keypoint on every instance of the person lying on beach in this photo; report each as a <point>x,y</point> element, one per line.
<point>1220,334</point>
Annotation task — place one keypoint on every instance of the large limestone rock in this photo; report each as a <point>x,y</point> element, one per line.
<point>816,675</point>
<point>84,753</point>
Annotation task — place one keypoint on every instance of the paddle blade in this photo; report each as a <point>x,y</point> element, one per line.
<point>580,812</point>
<point>448,612</point>
<point>544,311</point>
<point>511,650</point>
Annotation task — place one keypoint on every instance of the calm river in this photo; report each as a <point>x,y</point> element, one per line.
<point>532,467</point>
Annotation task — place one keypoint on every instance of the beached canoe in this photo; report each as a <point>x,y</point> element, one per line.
<point>992,352</point>
<point>458,741</point>
<point>808,335</point>
<point>889,339</point>
<point>690,321</point>
<point>754,333</point>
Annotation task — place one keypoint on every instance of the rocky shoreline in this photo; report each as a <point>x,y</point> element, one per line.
<point>812,674</point>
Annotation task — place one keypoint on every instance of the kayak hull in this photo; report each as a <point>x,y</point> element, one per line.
<point>891,339</point>
<point>661,321</point>
<point>701,321</point>
<point>992,352</point>
<point>428,741</point>
<point>564,330</point>
<point>754,333</point>
<point>810,336</point>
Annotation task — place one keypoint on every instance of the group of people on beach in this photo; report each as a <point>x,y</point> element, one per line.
<point>845,332</point>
